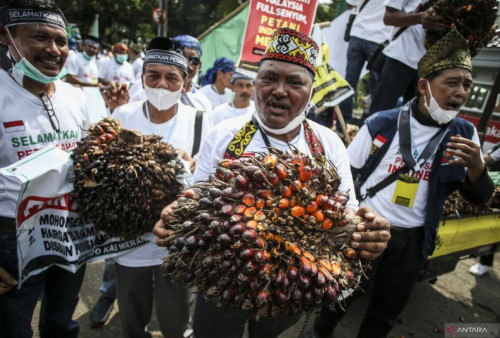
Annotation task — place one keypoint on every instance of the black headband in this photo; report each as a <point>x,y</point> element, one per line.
<point>11,16</point>
<point>167,57</point>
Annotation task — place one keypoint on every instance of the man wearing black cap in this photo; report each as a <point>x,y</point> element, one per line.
<point>164,76</point>
<point>35,105</point>
<point>82,67</point>
<point>283,90</point>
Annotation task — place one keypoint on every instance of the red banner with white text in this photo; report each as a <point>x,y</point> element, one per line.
<point>265,17</point>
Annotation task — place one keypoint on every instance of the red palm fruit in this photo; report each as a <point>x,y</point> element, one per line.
<point>265,272</point>
<point>304,280</point>
<point>261,298</point>
<point>259,176</point>
<point>250,212</point>
<point>314,269</point>
<point>286,191</point>
<point>305,173</point>
<point>108,136</point>
<point>336,268</point>
<point>240,182</point>
<point>297,160</point>
<point>318,294</point>
<point>189,193</point>
<point>260,243</point>
<point>235,164</point>
<point>250,170</point>
<point>327,224</point>
<point>249,234</point>
<point>240,209</point>
<point>320,278</point>
<point>237,195</point>
<point>273,178</point>
<point>350,274</point>
<point>276,211</point>
<point>311,207</point>
<point>243,279</point>
<point>293,202</point>
<point>326,274</point>
<point>237,229</point>
<point>286,283</point>
<point>263,193</point>
<point>246,254</point>
<point>296,185</point>
<point>228,192</point>
<point>227,295</point>
<point>281,297</point>
<point>322,200</point>
<point>297,296</point>
<point>248,200</point>
<point>278,278</point>
<point>308,297</point>
<point>228,176</point>
<point>350,252</point>
<point>102,139</point>
<point>235,218</point>
<point>260,203</point>
<point>342,199</point>
<point>224,239</point>
<point>330,293</point>
<point>270,161</point>
<point>205,203</point>
<point>319,215</point>
<point>292,273</point>
<point>284,203</point>
<point>250,268</point>
<point>252,224</point>
<point>258,256</point>
<point>280,171</point>
<point>297,211</point>
<point>259,216</point>
<point>305,265</point>
<point>309,256</point>
<point>208,234</point>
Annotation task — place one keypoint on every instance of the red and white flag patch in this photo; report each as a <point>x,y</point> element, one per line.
<point>13,126</point>
<point>379,141</point>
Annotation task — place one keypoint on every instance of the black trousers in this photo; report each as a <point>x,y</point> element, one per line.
<point>393,276</point>
<point>213,322</point>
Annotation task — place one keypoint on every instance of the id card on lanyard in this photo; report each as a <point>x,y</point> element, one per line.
<point>407,185</point>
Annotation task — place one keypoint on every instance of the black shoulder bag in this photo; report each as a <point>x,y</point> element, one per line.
<point>350,21</point>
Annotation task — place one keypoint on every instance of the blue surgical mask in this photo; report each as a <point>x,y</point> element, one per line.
<point>24,68</point>
<point>121,58</point>
<point>88,57</point>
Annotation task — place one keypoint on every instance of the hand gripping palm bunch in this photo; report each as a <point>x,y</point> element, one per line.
<point>123,179</point>
<point>267,233</point>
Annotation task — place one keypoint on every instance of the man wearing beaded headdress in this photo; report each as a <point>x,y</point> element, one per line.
<point>438,153</point>
<point>283,90</point>
<point>164,76</point>
<point>35,105</point>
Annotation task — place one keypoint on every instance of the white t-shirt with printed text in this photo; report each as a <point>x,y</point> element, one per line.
<point>178,131</point>
<point>26,128</point>
<point>85,70</point>
<point>397,215</point>
<point>115,72</point>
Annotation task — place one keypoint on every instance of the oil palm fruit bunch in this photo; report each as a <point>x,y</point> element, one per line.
<point>472,18</point>
<point>123,178</point>
<point>458,206</point>
<point>268,233</point>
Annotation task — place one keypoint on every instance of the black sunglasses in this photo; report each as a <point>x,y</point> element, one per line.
<point>194,60</point>
<point>54,121</point>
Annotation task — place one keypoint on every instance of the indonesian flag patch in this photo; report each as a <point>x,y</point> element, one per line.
<point>378,142</point>
<point>13,126</point>
<point>446,157</point>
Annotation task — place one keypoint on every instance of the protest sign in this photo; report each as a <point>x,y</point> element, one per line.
<point>50,229</point>
<point>266,16</point>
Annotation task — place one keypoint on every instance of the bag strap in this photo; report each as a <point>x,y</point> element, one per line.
<point>363,6</point>
<point>198,122</point>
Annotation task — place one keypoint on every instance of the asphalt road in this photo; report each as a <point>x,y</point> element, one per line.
<point>456,297</point>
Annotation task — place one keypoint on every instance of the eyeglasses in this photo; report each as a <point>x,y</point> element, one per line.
<point>194,60</point>
<point>54,121</point>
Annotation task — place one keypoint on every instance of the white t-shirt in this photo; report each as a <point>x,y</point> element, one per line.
<point>409,47</point>
<point>26,128</point>
<point>113,71</point>
<point>214,97</point>
<point>215,144</point>
<point>85,70</point>
<point>200,101</point>
<point>369,23</point>
<point>227,110</point>
<point>396,214</point>
<point>178,131</point>
<point>101,62</point>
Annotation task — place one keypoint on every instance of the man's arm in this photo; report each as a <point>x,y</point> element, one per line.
<point>73,79</point>
<point>428,19</point>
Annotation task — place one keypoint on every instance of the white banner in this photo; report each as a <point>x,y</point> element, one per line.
<point>50,229</point>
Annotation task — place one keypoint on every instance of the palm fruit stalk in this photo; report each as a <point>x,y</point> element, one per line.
<point>123,178</point>
<point>269,234</point>
<point>472,18</point>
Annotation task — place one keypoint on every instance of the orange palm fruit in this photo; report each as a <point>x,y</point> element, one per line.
<point>305,173</point>
<point>240,209</point>
<point>297,211</point>
<point>284,203</point>
<point>322,200</point>
<point>286,191</point>
<point>327,224</point>
<point>260,203</point>
<point>311,207</point>
<point>280,171</point>
<point>249,212</point>
<point>319,215</point>
<point>248,200</point>
<point>270,160</point>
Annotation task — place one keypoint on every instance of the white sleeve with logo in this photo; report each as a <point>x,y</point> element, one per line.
<point>359,149</point>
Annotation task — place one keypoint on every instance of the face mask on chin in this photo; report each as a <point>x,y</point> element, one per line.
<point>438,114</point>
<point>161,98</point>
<point>24,68</point>
<point>294,123</point>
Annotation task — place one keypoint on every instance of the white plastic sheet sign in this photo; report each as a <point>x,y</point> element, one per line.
<point>50,228</point>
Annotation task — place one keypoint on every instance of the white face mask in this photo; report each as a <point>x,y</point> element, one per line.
<point>162,98</point>
<point>437,113</point>
<point>294,123</point>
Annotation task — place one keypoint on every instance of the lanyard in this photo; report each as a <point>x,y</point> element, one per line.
<point>405,140</point>
<point>151,128</point>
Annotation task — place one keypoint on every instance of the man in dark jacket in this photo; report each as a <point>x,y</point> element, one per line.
<point>408,161</point>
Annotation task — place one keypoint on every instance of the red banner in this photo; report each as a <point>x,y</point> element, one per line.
<point>266,16</point>
<point>492,130</point>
